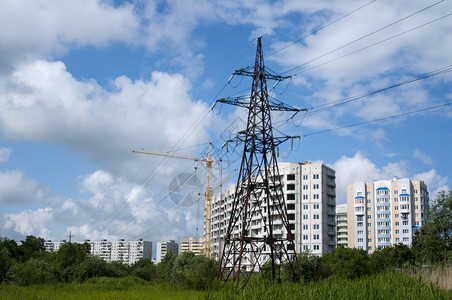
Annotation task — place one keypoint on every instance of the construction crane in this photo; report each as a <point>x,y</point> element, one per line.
<point>209,191</point>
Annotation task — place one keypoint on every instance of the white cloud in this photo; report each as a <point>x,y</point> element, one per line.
<point>418,154</point>
<point>4,154</point>
<point>17,188</point>
<point>28,222</point>
<point>44,103</point>
<point>36,29</point>
<point>435,182</point>
<point>360,168</point>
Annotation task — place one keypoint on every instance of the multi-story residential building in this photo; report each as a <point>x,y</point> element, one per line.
<point>128,252</point>
<point>165,247</point>
<point>192,244</point>
<point>385,212</point>
<point>139,249</point>
<point>310,197</point>
<point>341,225</point>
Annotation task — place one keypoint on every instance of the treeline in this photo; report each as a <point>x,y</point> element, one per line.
<point>28,263</point>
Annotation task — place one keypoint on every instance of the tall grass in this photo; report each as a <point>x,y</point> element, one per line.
<point>440,275</point>
<point>399,285</point>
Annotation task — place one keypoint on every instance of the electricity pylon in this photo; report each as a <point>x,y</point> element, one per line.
<point>259,196</point>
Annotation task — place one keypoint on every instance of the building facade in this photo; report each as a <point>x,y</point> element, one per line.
<point>164,247</point>
<point>385,212</point>
<point>341,226</point>
<point>310,197</point>
<point>195,245</point>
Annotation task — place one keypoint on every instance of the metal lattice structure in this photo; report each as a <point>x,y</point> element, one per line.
<point>249,247</point>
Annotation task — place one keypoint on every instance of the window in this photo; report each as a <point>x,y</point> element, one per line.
<point>316,247</point>
<point>316,226</point>
<point>305,206</point>
<point>360,232</point>
<point>315,186</point>
<point>316,206</point>
<point>315,176</point>
<point>396,192</point>
<point>369,217</point>
<point>305,226</point>
<point>369,224</point>
<point>369,240</point>
<point>360,240</point>
<point>397,240</point>
<point>368,208</point>
<point>396,215</point>
<point>316,236</point>
<point>305,187</point>
<point>291,187</point>
<point>305,247</point>
<point>404,222</point>
<point>397,231</point>
<point>396,223</point>
<point>405,230</point>
<point>396,207</point>
<point>305,177</point>
<point>416,199</point>
<point>290,206</point>
<point>316,196</point>
<point>396,199</point>
<point>305,217</point>
<point>316,216</point>
<point>305,237</point>
<point>290,196</point>
<point>305,197</point>
<point>290,176</point>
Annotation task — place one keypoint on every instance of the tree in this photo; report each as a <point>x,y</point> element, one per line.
<point>31,246</point>
<point>5,263</point>
<point>348,262</point>
<point>434,241</point>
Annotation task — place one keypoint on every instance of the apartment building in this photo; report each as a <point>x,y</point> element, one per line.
<point>164,247</point>
<point>341,225</point>
<point>192,244</point>
<point>127,252</point>
<point>310,197</point>
<point>385,212</point>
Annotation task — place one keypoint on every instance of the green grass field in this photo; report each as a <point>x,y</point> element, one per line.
<point>381,286</point>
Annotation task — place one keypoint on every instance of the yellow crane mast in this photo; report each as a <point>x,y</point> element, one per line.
<point>209,191</point>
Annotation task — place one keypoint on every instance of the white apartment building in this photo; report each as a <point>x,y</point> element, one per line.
<point>310,196</point>
<point>341,225</point>
<point>385,212</point>
<point>127,252</point>
<point>164,247</point>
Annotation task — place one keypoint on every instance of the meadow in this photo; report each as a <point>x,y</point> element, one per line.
<point>392,285</point>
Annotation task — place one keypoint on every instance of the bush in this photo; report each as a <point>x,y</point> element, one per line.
<point>5,263</point>
<point>31,272</point>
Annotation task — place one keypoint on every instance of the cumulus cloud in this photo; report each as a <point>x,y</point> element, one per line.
<point>418,154</point>
<point>17,188</point>
<point>435,182</point>
<point>4,154</point>
<point>44,103</point>
<point>36,29</point>
<point>360,168</point>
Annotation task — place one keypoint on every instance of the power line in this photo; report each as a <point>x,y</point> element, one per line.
<point>364,36</point>
<point>321,28</point>
<point>377,120</point>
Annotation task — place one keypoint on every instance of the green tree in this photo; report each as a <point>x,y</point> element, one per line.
<point>30,247</point>
<point>165,267</point>
<point>5,263</point>
<point>33,271</point>
<point>348,262</point>
<point>11,246</point>
<point>433,242</point>
<point>145,269</point>
<point>310,266</point>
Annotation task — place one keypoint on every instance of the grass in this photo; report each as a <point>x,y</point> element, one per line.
<point>382,286</point>
<point>441,275</point>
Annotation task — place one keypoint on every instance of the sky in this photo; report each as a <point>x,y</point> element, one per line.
<point>83,83</point>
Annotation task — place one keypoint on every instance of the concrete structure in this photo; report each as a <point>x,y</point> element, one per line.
<point>341,226</point>
<point>385,212</point>
<point>310,197</point>
<point>192,244</point>
<point>164,247</point>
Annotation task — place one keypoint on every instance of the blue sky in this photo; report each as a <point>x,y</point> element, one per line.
<point>83,83</point>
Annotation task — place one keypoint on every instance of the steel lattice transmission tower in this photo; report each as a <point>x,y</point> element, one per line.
<point>259,192</point>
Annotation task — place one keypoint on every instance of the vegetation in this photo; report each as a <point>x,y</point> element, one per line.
<point>27,271</point>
